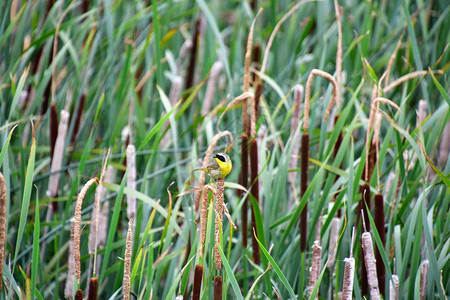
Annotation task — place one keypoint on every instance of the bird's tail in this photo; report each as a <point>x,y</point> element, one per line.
<point>200,169</point>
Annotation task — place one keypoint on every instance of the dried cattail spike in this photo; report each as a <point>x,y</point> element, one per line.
<point>2,225</point>
<point>219,215</point>
<point>334,236</point>
<point>295,120</point>
<point>393,288</point>
<point>127,262</point>
<point>421,112</point>
<point>131,180</point>
<point>423,279</point>
<point>370,263</point>
<point>316,72</point>
<point>349,275</point>
<point>77,226</point>
<point>407,77</point>
<point>53,128</point>
<point>444,145</point>
<point>255,193</point>
<point>314,271</point>
<point>211,87</point>
<point>79,295</point>
<point>204,214</point>
<point>68,290</point>
<point>53,184</point>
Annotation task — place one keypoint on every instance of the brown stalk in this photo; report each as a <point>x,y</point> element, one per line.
<point>217,288</point>
<point>77,227</point>
<point>206,160</point>
<point>220,204</point>
<point>392,59</point>
<point>76,127</point>
<point>2,225</point>
<point>255,111</point>
<point>407,77</point>
<point>255,193</point>
<point>244,182</point>
<point>93,289</point>
<point>189,80</point>
<point>68,290</point>
<point>127,262</point>
<point>255,62</point>
<point>198,274</point>
<point>295,120</point>
<point>303,187</point>
<point>379,224</point>
<point>53,129</point>
<point>131,180</point>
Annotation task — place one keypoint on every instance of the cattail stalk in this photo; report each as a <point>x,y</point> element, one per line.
<point>77,226</point>
<point>217,288</point>
<point>392,59</point>
<point>211,87</point>
<point>314,271</point>
<point>334,236</point>
<point>2,225</point>
<point>407,77</point>
<point>295,120</point>
<point>127,262</point>
<point>53,184</point>
<point>423,279</point>
<point>219,216</point>
<point>369,260</point>
<point>349,273</point>
<point>393,288</point>
<point>68,290</point>
<point>204,215</point>
<point>198,274</point>
<point>189,80</point>
<point>303,188</point>
<point>131,180</point>
<point>444,145</point>
<point>255,193</point>
<point>53,129</point>
<point>174,95</point>
<point>379,223</point>
<point>244,182</point>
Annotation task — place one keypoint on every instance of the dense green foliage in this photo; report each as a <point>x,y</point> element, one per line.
<point>103,53</point>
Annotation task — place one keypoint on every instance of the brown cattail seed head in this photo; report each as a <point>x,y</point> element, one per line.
<point>349,274</point>
<point>219,215</point>
<point>127,262</point>
<point>369,259</point>
<point>2,225</point>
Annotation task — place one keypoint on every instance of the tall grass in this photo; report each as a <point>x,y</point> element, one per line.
<point>110,64</point>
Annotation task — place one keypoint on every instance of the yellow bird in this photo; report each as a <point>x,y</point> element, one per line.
<point>219,168</point>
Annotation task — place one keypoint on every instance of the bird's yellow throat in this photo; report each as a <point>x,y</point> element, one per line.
<point>225,167</point>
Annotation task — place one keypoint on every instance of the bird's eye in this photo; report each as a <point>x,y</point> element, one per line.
<point>220,157</point>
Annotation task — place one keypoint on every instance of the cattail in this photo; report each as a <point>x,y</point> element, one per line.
<point>103,218</point>
<point>255,193</point>
<point>243,178</point>
<point>131,180</point>
<point>79,295</point>
<point>379,223</point>
<point>208,154</point>
<point>189,80</point>
<point>303,187</point>
<point>127,262</point>
<point>53,184</point>
<point>392,59</point>
<point>217,288</point>
<point>407,77</point>
<point>423,279</point>
<point>175,90</point>
<point>68,290</point>
<point>444,145</point>
<point>204,215</point>
<point>393,288</point>
<point>93,288</point>
<point>53,129</point>
<point>369,260</point>
<point>349,273</point>
<point>211,87</point>
<point>255,108</point>
<point>2,225</point>
<point>255,62</point>
<point>295,120</point>
<point>77,226</point>
<point>421,112</point>
<point>198,274</point>
<point>314,271</point>
<point>219,215</point>
<point>334,235</point>
<point>77,120</point>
